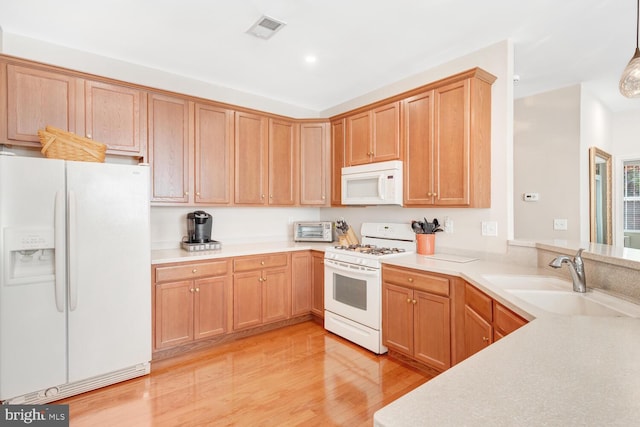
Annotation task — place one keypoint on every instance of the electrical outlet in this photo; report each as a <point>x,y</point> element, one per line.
<point>530,197</point>
<point>448,225</point>
<point>489,228</point>
<point>560,224</point>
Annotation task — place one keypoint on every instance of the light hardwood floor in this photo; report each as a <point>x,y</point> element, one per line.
<point>298,375</point>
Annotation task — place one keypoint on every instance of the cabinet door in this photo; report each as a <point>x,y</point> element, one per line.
<point>250,159</point>
<point>418,140</point>
<point>397,318</point>
<point>451,148</point>
<point>174,313</point>
<point>386,132</point>
<point>358,146</point>
<point>247,300</point>
<point>317,295</point>
<point>213,154</point>
<point>169,148</point>
<point>477,332</point>
<point>276,285</point>
<point>313,164</point>
<point>338,129</point>
<point>505,321</point>
<point>283,163</point>
<point>37,98</point>
<point>300,283</point>
<point>116,116</point>
<point>210,313</point>
<point>432,330</point>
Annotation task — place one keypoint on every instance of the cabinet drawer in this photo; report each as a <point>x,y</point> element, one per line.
<point>505,320</point>
<point>478,301</point>
<point>191,271</point>
<point>262,261</point>
<point>416,280</point>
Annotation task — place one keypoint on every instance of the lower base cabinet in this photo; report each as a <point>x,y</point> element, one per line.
<point>317,283</point>
<point>416,315</point>
<point>261,290</point>
<point>485,320</point>
<point>190,302</point>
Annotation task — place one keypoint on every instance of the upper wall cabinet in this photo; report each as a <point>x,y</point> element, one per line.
<point>116,116</point>
<point>447,140</point>
<point>283,162</point>
<point>36,97</point>
<point>169,148</point>
<point>338,129</point>
<point>314,164</point>
<point>374,135</point>
<point>251,155</point>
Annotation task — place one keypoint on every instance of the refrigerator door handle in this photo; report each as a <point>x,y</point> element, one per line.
<point>73,268</point>
<point>59,236</point>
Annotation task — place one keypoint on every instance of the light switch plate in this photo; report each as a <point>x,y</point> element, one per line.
<point>560,224</point>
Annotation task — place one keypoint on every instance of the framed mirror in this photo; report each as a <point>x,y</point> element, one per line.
<point>600,196</point>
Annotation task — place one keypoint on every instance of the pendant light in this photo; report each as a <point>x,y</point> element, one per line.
<point>630,80</point>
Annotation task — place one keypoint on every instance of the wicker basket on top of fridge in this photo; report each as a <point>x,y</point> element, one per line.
<point>59,144</point>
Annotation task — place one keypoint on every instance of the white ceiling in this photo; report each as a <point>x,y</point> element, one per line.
<point>360,45</point>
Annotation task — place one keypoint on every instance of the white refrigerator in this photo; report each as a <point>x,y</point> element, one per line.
<point>75,296</point>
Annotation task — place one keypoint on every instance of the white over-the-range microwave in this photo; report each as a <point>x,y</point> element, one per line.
<point>372,184</point>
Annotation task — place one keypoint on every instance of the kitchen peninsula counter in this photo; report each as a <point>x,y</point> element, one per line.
<point>556,370</point>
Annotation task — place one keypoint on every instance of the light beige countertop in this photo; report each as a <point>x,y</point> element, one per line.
<point>556,370</point>
<point>165,256</point>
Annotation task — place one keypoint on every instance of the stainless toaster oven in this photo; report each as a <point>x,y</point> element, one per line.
<point>313,231</point>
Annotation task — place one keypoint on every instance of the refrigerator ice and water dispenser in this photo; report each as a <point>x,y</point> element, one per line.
<point>30,255</point>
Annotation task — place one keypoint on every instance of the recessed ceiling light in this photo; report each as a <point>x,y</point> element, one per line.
<point>310,59</point>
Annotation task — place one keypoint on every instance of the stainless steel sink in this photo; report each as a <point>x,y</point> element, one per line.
<point>556,296</point>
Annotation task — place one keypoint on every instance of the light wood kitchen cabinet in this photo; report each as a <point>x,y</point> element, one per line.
<point>338,132</point>
<point>301,271</point>
<point>416,315</point>
<point>169,148</point>
<point>485,320</point>
<point>447,142</point>
<point>374,135</point>
<point>314,166</point>
<point>37,98</point>
<point>116,116</point>
<point>213,155</point>
<point>190,302</point>
<point>317,278</point>
<point>261,290</point>
<point>251,159</point>
<point>283,162</point>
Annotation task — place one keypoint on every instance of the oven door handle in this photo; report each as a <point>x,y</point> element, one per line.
<point>350,268</point>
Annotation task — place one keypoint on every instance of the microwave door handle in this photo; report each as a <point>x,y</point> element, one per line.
<point>381,186</point>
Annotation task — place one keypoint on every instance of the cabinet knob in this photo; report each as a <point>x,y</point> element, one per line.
<point>485,339</point>
<point>414,302</point>
<point>197,289</point>
<point>260,279</point>
<point>271,196</point>
<point>192,290</point>
<point>264,279</point>
<point>435,194</point>
<point>195,270</point>
<point>261,262</point>
<point>262,196</point>
<point>323,197</point>
<point>89,135</point>
<point>198,194</point>
<point>186,193</point>
<point>409,300</point>
<point>429,194</point>
<point>410,279</point>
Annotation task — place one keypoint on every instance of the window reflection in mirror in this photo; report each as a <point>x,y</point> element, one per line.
<point>600,196</point>
<point>631,203</point>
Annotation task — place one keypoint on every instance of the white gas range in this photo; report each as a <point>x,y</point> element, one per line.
<point>353,282</point>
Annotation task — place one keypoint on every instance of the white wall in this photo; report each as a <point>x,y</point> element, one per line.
<point>38,50</point>
<point>546,161</point>
<point>230,224</point>
<point>498,60</point>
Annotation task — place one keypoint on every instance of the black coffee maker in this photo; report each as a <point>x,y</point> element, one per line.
<point>199,227</point>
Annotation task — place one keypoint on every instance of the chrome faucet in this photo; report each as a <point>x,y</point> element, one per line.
<point>576,268</point>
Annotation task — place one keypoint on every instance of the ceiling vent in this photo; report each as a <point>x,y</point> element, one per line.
<point>265,27</point>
